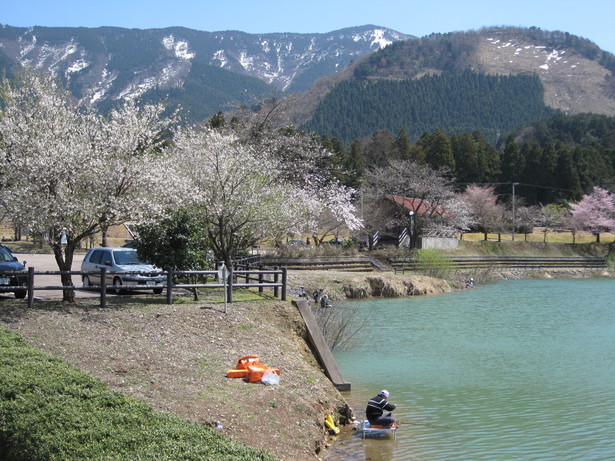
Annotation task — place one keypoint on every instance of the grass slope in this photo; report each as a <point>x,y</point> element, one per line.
<point>52,411</point>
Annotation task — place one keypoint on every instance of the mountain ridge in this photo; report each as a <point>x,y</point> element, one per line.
<point>113,63</point>
<point>577,76</point>
<point>206,72</point>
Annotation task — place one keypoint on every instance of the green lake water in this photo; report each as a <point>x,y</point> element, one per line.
<point>517,370</point>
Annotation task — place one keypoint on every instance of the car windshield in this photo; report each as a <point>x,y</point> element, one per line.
<point>5,255</point>
<point>124,258</point>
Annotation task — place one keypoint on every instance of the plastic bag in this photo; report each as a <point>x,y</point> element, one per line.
<point>270,377</point>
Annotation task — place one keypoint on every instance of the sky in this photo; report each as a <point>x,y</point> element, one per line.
<point>590,19</point>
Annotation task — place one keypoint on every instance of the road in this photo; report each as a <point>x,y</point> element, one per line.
<point>47,262</point>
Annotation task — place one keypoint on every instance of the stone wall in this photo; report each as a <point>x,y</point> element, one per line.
<point>441,243</point>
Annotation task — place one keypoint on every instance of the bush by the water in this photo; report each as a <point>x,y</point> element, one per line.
<point>50,410</point>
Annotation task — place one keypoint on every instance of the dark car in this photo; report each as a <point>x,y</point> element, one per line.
<point>9,263</point>
<point>123,269</point>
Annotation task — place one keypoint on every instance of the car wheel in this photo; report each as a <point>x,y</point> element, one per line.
<point>157,291</point>
<point>20,294</point>
<point>86,281</point>
<point>117,286</point>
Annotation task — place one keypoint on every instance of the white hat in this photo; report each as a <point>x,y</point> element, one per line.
<point>384,393</point>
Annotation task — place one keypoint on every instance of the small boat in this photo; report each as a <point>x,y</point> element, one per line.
<point>367,430</point>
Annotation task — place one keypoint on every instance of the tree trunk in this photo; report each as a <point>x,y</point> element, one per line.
<point>64,259</point>
<point>104,237</point>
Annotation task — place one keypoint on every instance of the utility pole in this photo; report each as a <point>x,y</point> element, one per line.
<point>513,209</point>
<point>411,213</point>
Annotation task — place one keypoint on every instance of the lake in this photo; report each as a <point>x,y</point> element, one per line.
<point>517,370</point>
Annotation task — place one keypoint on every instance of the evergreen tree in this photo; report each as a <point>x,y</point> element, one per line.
<point>439,152</point>
<point>380,149</point>
<point>403,145</point>
<point>466,159</point>
<point>354,165</point>
<point>532,155</point>
<point>513,164</point>
<point>487,158</point>
<point>568,176</point>
<point>547,168</point>
<point>217,121</point>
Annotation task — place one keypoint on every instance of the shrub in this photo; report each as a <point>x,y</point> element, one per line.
<point>433,263</point>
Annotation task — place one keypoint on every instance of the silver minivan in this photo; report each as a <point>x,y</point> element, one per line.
<point>121,265</point>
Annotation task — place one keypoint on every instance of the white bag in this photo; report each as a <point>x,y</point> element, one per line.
<point>270,377</point>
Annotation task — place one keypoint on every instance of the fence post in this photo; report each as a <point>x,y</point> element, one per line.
<point>276,291</point>
<point>284,278</point>
<point>170,286</point>
<point>260,278</point>
<point>229,287</point>
<point>30,286</point>
<point>103,287</point>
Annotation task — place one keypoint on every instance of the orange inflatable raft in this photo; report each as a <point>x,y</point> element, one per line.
<point>250,368</point>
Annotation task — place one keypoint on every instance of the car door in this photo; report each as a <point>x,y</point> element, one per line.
<point>106,261</point>
<point>98,259</point>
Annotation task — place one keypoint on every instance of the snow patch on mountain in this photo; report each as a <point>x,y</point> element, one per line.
<point>572,82</point>
<point>109,63</point>
<point>77,66</point>
<point>378,39</point>
<point>172,75</point>
<point>542,56</point>
<point>219,59</point>
<point>179,47</point>
<point>102,87</point>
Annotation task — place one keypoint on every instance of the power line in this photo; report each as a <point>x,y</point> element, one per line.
<point>511,183</point>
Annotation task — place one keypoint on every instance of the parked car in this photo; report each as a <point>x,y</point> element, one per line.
<point>9,263</point>
<point>121,263</point>
<point>334,241</point>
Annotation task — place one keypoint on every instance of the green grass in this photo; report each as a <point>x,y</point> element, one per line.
<point>51,411</point>
<point>433,263</point>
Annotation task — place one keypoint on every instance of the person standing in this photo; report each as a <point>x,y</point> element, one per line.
<point>376,406</point>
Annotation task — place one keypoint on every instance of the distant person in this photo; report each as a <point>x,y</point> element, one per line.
<point>324,302</point>
<point>376,408</point>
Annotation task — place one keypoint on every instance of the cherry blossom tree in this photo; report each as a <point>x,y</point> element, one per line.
<point>595,212</point>
<point>244,193</point>
<point>67,171</point>
<point>487,214</point>
<point>438,209</point>
<point>302,163</point>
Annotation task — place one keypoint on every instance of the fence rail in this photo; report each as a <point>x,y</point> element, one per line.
<point>345,263</point>
<point>510,262</point>
<point>275,279</point>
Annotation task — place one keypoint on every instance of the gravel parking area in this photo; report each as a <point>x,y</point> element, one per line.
<point>46,262</point>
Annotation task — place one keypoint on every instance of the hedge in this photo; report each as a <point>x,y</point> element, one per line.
<point>50,410</point>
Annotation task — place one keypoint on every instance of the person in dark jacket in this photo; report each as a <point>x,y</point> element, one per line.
<point>376,408</point>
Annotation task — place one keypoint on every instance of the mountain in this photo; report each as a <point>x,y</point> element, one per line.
<point>574,75</point>
<point>204,71</point>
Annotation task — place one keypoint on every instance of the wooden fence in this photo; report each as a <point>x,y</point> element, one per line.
<point>275,279</point>
<point>508,263</point>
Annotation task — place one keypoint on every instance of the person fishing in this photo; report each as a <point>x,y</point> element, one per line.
<point>324,302</point>
<point>376,406</point>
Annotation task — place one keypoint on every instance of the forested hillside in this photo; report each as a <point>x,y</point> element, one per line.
<point>455,103</point>
<point>553,160</point>
<point>209,89</point>
<point>458,51</point>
